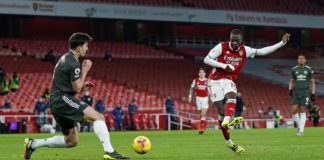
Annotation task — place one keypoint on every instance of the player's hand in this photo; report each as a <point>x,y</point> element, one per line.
<point>189,99</point>
<point>313,98</point>
<point>87,85</point>
<point>285,38</point>
<point>290,93</point>
<point>86,65</point>
<point>229,67</point>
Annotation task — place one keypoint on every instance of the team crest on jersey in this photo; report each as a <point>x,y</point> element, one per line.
<point>296,72</point>
<point>77,71</point>
<point>305,72</point>
<point>241,53</point>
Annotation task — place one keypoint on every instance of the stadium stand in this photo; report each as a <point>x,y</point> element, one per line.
<point>39,47</point>
<point>148,81</point>
<point>279,70</point>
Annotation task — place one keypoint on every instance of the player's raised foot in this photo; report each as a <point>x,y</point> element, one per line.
<point>114,155</point>
<point>28,149</point>
<point>237,149</point>
<point>236,121</point>
<point>228,121</point>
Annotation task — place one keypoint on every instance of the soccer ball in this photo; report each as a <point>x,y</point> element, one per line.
<point>141,145</point>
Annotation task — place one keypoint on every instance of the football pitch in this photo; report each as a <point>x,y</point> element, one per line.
<point>260,144</point>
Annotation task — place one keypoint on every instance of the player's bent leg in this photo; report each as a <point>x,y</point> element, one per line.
<point>72,139</point>
<point>30,145</point>
<point>219,106</point>
<point>69,140</point>
<point>101,130</point>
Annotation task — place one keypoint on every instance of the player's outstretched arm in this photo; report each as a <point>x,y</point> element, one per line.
<point>210,59</point>
<point>267,50</point>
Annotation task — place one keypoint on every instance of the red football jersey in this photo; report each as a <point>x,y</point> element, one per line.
<point>201,89</point>
<point>228,56</point>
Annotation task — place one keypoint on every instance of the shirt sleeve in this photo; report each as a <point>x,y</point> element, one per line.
<point>292,75</point>
<point>193,84</point>
<point>211,58</point>
<point>311,74</point>
<point>215,52</point>
<point>251,52</point>
<point>75,72</point>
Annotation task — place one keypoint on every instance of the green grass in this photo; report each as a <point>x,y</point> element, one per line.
<point>260,144</point>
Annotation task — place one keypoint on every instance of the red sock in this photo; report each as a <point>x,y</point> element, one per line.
<point>225,131</point>
<point>200,126</point>
<point>203,124</point>
<point>230,108</point>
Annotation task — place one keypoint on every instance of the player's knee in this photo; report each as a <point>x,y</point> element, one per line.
<point>101,117</point>
<point>231,95</point>
<point>302,109</point>
<point>294,110</point>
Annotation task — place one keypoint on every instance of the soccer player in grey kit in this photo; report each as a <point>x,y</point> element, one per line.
<point>68,80</point>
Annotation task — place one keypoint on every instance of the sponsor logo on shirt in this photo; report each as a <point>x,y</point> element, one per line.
<point>70,102</point>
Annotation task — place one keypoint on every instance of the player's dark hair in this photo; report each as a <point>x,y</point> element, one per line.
<point>236,32</point>
<point>201,69</point>
<point>79,39</point>
<point>302,55</point>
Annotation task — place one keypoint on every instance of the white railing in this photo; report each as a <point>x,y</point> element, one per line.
<point>197,42</point>
<point>170,122</point>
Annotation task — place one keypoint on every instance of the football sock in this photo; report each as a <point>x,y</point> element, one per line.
<point>228,141</point>
<point>296,119</point>
<point>230,107</point>
<point>302,121</point>
<point>225,131</point>
<point>203,123</point>
<point>200,126</point>
<point>101,130</point>
<point>53,142</point>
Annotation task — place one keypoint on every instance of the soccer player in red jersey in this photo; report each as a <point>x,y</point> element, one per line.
<point>201,91</point>
<point>227,59</point>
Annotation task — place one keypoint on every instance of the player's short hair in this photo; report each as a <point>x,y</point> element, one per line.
<point>201,69</point>
<point>236,32</point>
<point>302,55</point>
<point>79,39</point>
